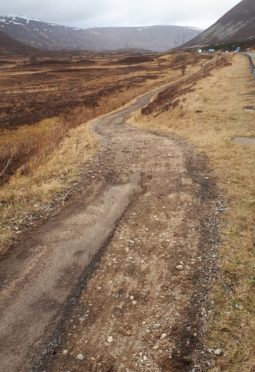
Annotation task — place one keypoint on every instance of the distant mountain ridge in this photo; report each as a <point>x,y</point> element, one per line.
<point>8,46</point>
<point>237,25</point>
<point>55,37</point>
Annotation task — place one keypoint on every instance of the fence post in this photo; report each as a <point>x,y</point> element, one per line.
<point>252,66</point>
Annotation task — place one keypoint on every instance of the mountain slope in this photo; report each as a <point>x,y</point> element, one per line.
<point>9,46</point>
<point>237,25</point>
<point>54,37</point>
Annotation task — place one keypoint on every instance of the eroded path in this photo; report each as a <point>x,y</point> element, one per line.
<point>148,203</point>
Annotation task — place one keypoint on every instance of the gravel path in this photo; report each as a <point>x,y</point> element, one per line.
<point>147,208</point>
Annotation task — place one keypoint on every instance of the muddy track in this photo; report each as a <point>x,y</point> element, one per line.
<point>149,203</point>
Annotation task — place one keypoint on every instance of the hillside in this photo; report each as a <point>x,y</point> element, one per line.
<point>237,25</point>
<point>55,37</point>
<point>8,46</point>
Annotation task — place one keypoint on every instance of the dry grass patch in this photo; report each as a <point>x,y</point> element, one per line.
<point>211,117</point>
<point>46,175</point>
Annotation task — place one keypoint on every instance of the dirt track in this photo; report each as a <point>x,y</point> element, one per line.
<point>150,204</point>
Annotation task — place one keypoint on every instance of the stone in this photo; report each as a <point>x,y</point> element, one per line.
<point>179,267</point>
<point>218,352</point>
<point>163,336</point>
<point>110,339</point>
<point>80,357</point>
<point>156,325</point>
<point>65,352</point>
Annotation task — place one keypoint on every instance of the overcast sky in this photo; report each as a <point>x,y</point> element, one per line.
<point>95,13</point>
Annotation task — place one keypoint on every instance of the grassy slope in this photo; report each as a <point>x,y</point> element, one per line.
<point>209,117</point>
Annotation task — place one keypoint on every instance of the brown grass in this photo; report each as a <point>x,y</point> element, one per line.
<point>46,175</point>
<point>210,117</point>
<point>27,146</point>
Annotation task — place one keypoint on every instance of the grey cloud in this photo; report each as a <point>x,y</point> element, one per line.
<point>92,13</point>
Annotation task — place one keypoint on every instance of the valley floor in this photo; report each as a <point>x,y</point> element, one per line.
<point>141,272</point>
<point>150,203</point>
<point>44,136</point>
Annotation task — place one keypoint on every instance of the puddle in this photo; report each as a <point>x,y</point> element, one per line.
<point>249,108</point>
<point>244,140</point>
